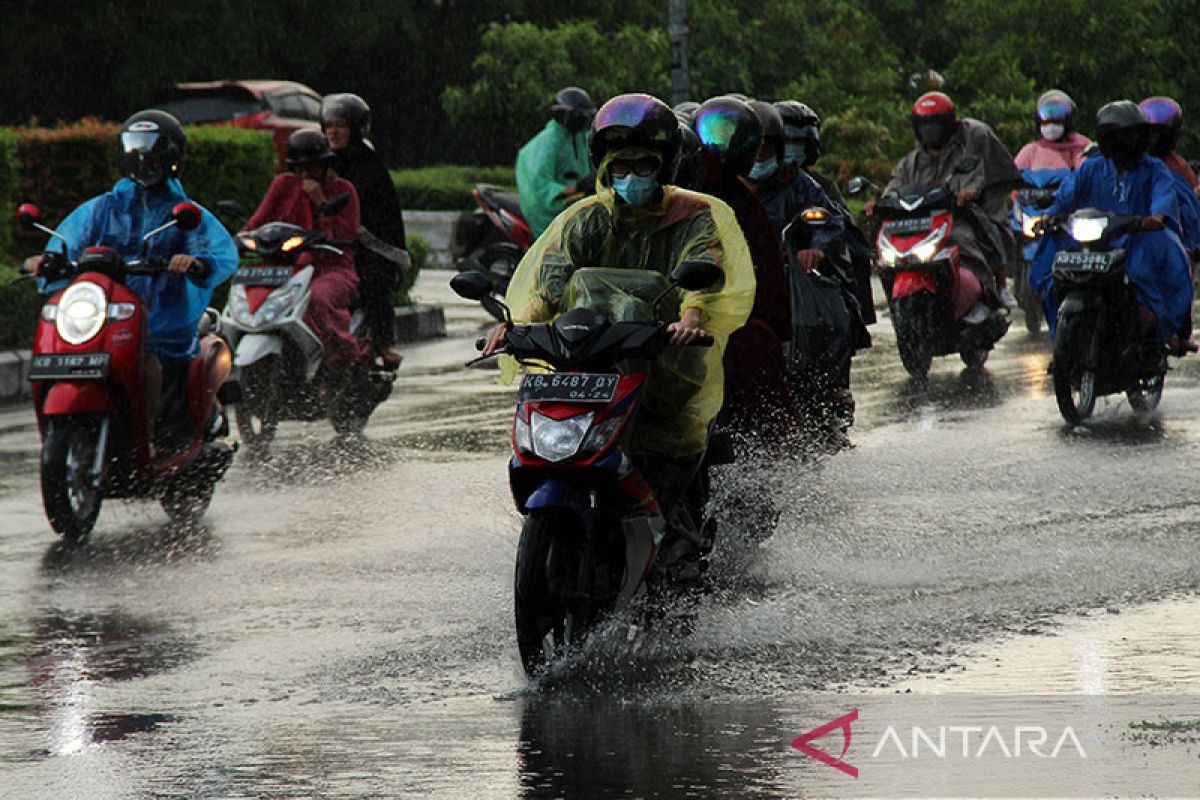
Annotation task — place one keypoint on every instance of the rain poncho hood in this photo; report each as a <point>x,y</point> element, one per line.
<point>1157,264</point>
<point>174,302</point>
<point>547,164</point>
<point>1066,153</point>
<point>579,260</point>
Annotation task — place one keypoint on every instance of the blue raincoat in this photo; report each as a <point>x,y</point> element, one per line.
<point>1157,264</point>
<point>174,302</point>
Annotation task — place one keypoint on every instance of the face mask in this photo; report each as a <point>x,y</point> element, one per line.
<point>636,190</point>
<point>794,154</point>
<point>763,169</point>
<point>1051,132</point>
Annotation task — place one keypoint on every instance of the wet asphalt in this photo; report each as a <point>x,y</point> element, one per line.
<point>340,622</point>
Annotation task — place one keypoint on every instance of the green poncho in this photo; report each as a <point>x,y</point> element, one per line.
<point>543,167</point>
<point>599,238</point>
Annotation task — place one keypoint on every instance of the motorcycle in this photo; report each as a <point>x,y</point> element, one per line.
<point>1104,342</point>
<point>277,357</point>
<point>1028,207</point>
<point>593,537</point>
<point>494,238</point>
<point>92,382</point>
<point>934,311</point>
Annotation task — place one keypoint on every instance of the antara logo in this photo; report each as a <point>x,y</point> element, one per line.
<point>842,723</point>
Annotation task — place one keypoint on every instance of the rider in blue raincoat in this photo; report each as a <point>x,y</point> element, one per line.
<point>152,147</point>
<point>1122,179</point>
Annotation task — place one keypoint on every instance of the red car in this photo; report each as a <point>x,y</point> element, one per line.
<point>278,106</point>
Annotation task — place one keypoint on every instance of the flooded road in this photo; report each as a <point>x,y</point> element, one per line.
<point>340,624</point>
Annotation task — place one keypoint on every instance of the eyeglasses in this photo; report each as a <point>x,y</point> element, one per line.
<point>643,168</point>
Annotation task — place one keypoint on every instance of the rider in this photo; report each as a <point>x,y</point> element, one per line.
<point>299,196</point>
<point>553,167</point>
<point>1060,146</point>
<point>944,142</point>
<point>1123,179</point>
<point>1166,120</point>
<point>380,256</point>
<point>150,154</point>
<point>639,221</point>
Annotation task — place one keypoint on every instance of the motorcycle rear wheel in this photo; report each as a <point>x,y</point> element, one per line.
<point>69,493</point>
<point>186,499</point>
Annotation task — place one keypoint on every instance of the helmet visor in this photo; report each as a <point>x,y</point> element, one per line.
<point>1053,111</point>
<point>1160,111</point>
<point>628,113</point>
<point>138,141</point>
<point>717,128</point>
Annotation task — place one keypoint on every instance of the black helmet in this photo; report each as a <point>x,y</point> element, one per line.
<point>770,121</point>
<point>350,109</point>
<point>730,131</point>
<point>1166,120</point>
<point>1122,131</point>
<point>688,172</point>
<point>636,120</point>
<point>151,147</point>
<point>801,123</point>
<point>307,146</point>
<point>573,108</point>
<point>686,111</point>
<point>1055,106</point>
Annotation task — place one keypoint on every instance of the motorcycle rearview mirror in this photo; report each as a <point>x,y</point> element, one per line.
<point>186,215</point>
<point>28,216</point>
<point>335,205</point>
<point>857,185</point>
<point>471,285</point>
<point>967,164</point>
<point>696,275</point>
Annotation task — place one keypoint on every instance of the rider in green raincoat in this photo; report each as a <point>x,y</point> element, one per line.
<point>553,167</point>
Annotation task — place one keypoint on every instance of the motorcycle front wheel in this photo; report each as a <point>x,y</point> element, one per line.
<point>257,414</point>
<point>70,491</point>
<point>912,338</point>
<point>1074,385</point>
<point>1145,398</point>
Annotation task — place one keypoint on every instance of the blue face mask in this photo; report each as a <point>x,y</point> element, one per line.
<point>635,189</point>
<point>763,169</point>
<point>794,154</point>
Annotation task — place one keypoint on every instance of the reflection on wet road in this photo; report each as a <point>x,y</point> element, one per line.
<point>340,624</point>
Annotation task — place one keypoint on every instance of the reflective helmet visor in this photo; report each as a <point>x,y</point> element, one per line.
<point>717,127</point>
<point>629,113</point>
<point>1053,111</point>
<point>1160,111</point>
<point>138,141</point>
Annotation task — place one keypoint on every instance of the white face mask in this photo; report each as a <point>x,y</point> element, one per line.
<point>1052,133</point>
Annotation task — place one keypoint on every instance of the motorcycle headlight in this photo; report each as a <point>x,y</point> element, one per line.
<point>601,435</point>
<point>278,302</point>
<point>522,437</point>
<point>1087,229</point>
<point>887,253</point>
<point>927,248</point>
<point>1027,223</point>
<point>81,312</point>
<point>559,439</point>
<point>239,307</point>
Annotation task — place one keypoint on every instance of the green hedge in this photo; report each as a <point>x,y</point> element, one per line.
<point>19,307</point>
<point>447,187</point>
<point>9,178</point>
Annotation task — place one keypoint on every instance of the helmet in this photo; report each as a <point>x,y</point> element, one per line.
<point>686,110</point>
<point>1166,120</point>
<point>151,147</point>
<point>350,109</point>
<point>934,119</point>
<point>800,122</point>
<point>573,108</point>
<point>729,130</point>
<point>307,146</point>
<point>769,120</point>
<point>636,120</point>
<point>1055,106</point>
<point>1121,131</point>
<point>688,172</point>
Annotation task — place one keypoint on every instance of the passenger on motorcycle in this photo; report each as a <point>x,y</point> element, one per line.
<point>943,143</point>
<point>639,221</point>
<point>1123,179</point>
<point>297,197</point>
<point>150,155</point>
<point>1059,145</point>
<point>1166,121</point>
<point>379,256</point>
<point>553,167</point>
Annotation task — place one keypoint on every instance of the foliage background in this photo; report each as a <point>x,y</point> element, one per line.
<point>463,81</point>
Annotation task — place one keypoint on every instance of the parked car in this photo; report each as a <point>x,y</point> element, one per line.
<point>277,106</point>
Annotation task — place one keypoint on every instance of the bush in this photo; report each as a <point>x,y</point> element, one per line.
<point>447,187</point>
<point>228,164</point>
<point>8,188</point>
<point>19,307</point>
<point>418,250</point>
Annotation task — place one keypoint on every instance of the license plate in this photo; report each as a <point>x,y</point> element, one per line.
<point>1077,261</point>
<point>69,366</point>
<point>263,276</point>
<point>1036,197</point>
<point>907,227</point>
<point>568,387</point>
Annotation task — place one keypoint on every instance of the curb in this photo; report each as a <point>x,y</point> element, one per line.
<point>415,323</point>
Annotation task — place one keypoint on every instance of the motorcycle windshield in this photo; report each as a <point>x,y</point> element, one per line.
<point>622,295</point>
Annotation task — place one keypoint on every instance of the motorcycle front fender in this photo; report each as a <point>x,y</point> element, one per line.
<point>1076,303</point>
<point>553,493</point>
<point>78,397</point>
<point>254,347</point>
<point>911,282</point>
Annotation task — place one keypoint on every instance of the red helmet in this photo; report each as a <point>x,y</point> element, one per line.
<point>933,119</point>
<point>933,103</point>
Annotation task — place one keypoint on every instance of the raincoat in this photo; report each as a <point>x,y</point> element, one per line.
<point>788,192</point>
<point>861,249</point>
<point>981,228</point>
<point>685,388</point>
<point>1066,153</point>
<point>174,302</point>
<point>1180,166</point>
<point>547,164</point>
<point>1156,264</point>
<point>334,284</point>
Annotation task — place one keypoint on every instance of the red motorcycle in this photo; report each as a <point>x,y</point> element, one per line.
<point>495,237</point>
<point>95,391</point>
